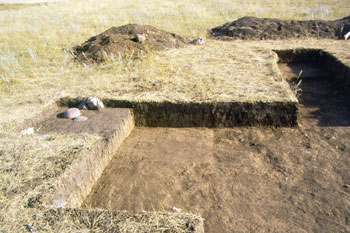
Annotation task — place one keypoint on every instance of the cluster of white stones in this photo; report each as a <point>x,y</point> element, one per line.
<point>91,103</point>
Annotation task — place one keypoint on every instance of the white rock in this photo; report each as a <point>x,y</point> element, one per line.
<point>94,103</point>
<point>71,113</point>
<point>80,118</point>
<point>198,41</point>
<point>59,203</point>
<point>347,35</point>
<point>140,38</point>
<point>178,210</point>
<point>28,131</point>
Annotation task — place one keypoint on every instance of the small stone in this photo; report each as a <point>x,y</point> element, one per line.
<point>94,103</point>
<point>140,38</point>
<point>82,105</point>
<point>80,118</point>
<point>198,41</point>
<point>28,131</point>
<point>346,186</point>
<point>59,203</point>
<point>30,228</point>
<point>71,113</point>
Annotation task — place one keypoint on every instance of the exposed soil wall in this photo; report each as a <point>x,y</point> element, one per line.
<point>215,114</point>
<point>113,125</point>
<point>77,182</point>
<point>231,114</point>
<point>340,72</point>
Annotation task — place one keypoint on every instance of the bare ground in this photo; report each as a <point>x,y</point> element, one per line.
<point>243,179</point>
<point>254,28</point>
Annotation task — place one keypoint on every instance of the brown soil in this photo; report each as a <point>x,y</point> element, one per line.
<point>104,123</point>
<point>252,28</point>
<point>117,41</point>
<point>245,179</point>
<point>204,114</point>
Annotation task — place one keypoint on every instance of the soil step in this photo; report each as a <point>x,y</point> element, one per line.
<point>113,125</point>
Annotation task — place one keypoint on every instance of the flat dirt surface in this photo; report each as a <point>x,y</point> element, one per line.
<point>243,179</point>
<point>253,28</point>
<point>117,41</point>
<point>103,123</point>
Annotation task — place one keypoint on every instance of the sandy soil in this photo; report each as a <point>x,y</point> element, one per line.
<point>243,179</point>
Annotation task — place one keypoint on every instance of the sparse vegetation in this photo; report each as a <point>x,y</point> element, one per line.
<point>35,70</point>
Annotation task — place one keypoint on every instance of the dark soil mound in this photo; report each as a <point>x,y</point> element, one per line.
<point>121,40</point>
<point>247,28</point>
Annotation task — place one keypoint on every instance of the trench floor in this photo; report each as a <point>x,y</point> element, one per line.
<point>243,179</point>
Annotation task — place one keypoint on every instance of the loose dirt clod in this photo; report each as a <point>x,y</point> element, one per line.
<point>126,39</point>
<point>268,28</point>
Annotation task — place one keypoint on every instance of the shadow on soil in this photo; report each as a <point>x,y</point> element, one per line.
<point>330,104</point>
<point>323,99</point>
<point>324,83</point>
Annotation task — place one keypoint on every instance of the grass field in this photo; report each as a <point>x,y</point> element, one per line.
<point>35,71</point>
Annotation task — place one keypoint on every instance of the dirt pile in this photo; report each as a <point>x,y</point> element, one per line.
<point>252,28</point>
<point>126,39</point>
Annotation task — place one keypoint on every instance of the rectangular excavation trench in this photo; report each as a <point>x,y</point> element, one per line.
<point>185,133</point>
<point>124,116</point>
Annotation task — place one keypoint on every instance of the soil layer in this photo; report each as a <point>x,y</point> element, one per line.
<point>252,28</point>
<point>211,114</point>
<point>245,179</point>
<point>117,41</point>
<point>319,58</point>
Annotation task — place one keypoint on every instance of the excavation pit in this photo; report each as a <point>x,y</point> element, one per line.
<point>243,179</point>
<point>113,125</point>
<point>236,178</point>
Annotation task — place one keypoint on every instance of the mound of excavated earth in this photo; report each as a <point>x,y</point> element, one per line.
<point>131,38</point>
<point>252,28</point>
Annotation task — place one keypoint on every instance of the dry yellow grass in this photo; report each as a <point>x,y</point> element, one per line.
<point>34,71</point>
<point>31,166</point>
<point>16,6</point>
